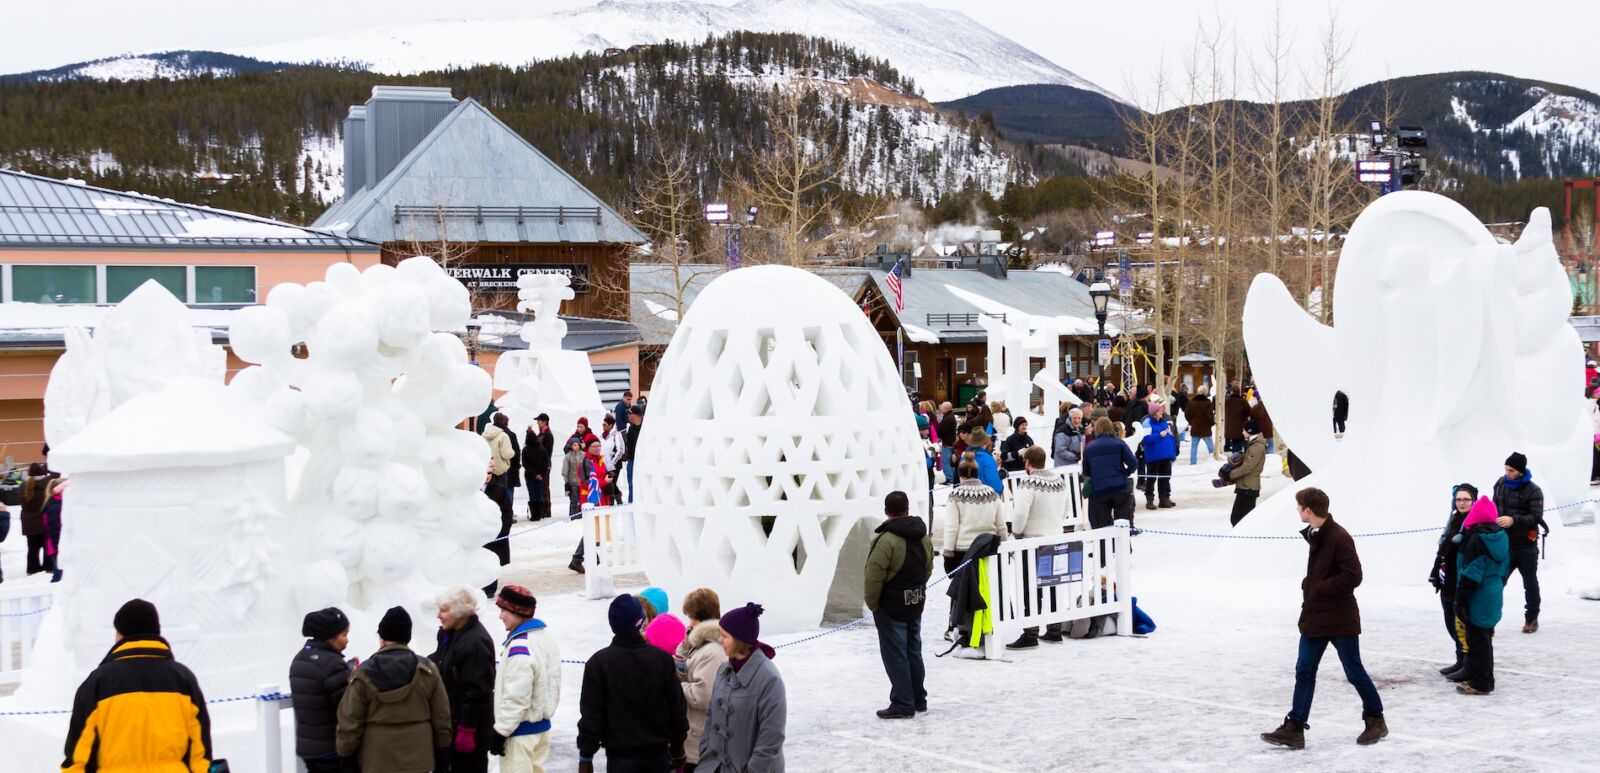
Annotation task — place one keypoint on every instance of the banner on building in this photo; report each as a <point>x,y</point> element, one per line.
<point>502,277</point>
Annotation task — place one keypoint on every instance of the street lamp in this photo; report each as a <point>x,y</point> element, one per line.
<point>1100,293</point>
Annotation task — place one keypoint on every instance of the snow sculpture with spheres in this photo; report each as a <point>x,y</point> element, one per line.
<point>544,378</point>
<point>388,506</point>
<point>1437,326</point>
<point>776,425</point>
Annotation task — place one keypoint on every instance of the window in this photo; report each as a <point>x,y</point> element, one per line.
<point>53,284</point>
<point>121,281</point>
<point>909,377</point>
<point>961,365</point>
<point>224,284</point>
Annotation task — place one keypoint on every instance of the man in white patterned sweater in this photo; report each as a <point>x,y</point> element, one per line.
<point>1038,509</point>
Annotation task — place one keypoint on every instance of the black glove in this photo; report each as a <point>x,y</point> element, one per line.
<point>495,743</point>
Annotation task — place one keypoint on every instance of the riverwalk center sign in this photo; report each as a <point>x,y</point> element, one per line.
<point>502,277</point>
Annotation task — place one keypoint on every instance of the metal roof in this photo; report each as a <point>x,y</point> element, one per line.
<point>653,293</point>
<point>45,212</point>
<point>584,334</point>
<point>949,302</point>
<point>476,180</point>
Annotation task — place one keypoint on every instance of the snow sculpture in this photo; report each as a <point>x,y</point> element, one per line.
<point>388,507</point>
<point>544,378</point>
<point>141,344</point>
<point>1011,346</point>
<point>1437,324</point>
<point>177,496</point>
<point>777,425</point>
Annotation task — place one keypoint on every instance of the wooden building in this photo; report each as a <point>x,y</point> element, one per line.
<point>426,174</point>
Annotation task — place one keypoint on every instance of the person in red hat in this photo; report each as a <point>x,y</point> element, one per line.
<point>527,687</point>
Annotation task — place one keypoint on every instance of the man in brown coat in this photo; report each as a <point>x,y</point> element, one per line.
<point>395,716</point>
<point>1202,417</point>
<point>1328,615</point>
<point>1235,409</point>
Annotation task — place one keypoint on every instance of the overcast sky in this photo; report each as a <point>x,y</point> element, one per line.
<point>1118,44</point>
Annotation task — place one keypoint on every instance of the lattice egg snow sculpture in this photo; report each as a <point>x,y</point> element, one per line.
<point>776,424</point>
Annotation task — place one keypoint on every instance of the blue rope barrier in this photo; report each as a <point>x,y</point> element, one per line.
<point>276,696</point>
<point>25,614</point>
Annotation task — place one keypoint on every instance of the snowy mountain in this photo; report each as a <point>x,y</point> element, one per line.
<point>272,144</point>
<point>946,53</point>
<point>136,67</point>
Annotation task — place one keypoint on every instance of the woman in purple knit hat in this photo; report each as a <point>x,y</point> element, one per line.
<point>745,722</point>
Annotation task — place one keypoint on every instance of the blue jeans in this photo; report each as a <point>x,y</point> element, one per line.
<point>900,644</point>
<point>945,453</point>
<point>1305,674</point>
<point>1271,444</point>
<point>630,482</point>
<point>1194,447</point>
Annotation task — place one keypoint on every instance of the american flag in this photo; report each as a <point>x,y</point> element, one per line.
<point>899,290</point>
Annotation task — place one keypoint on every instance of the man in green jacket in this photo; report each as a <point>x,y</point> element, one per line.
<point>898,569</point>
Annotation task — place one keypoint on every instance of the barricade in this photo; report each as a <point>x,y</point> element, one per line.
<point>610,547</point>
<point>22,609</point>
<point>1058,579</point>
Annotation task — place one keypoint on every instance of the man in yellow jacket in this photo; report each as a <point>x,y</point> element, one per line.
<point>140,710</point>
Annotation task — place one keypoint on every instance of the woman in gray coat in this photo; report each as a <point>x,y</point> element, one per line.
<point>745,723</point>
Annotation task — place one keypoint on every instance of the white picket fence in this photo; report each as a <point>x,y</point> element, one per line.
<point>1072,586</point>
<point>22,611</point>
<point>610,547</point>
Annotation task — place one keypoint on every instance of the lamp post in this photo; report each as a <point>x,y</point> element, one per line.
<point>1100,293</point>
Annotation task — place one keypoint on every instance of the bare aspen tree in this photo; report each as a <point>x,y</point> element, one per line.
<point>796,181</point>
<point>1271,77</point>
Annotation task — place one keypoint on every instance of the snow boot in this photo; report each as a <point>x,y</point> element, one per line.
<point>1052,636</point>
<point>1167,503</point>
<point>894,713</point>
<point>1291,734</point>
<point>1459,675</point>
<point>1530,626</point>
<point>1466,688</point>
<point>1376,731</point>
<point>1024,642</point>
<point>1448,670</point>
<point>1149,502</point>
<point>576,565</point>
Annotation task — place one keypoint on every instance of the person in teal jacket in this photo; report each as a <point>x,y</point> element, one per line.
<point>1483,564</point>
<point>988,471</point>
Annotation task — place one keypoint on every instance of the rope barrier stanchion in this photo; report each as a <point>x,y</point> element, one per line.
<point>25,614</point>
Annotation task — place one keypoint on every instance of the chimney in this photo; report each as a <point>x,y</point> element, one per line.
<point>397,118</point>
<point>355,150</point>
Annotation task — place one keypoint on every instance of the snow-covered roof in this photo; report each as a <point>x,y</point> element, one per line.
<point>486,183</point>
<point>44,325</point>
<point>40,211</point>
<point>945,304</point>
<point>654,293</point>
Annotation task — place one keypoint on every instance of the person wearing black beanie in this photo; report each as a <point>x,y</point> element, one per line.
<point>318,676</point>
<point>631,702</point>
<point>395,715</point>
<point>148,709</point>
<point>1520,502</point>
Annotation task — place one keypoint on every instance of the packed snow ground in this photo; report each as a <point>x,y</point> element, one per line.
<point>1193,696</point>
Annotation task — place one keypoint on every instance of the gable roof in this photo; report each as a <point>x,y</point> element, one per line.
<point>945,304</point>
<point>40,211</point>
<point>653,293</point>
<point>488,183</point>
